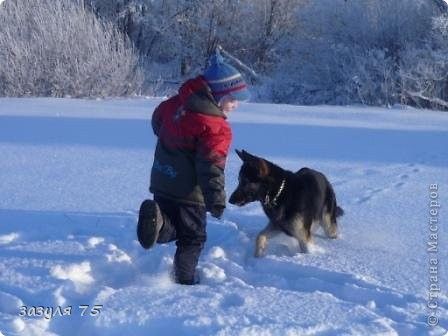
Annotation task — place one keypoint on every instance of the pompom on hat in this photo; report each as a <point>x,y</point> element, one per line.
<point>223,79</point>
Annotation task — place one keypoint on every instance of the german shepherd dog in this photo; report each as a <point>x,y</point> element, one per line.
<point>291,201</point>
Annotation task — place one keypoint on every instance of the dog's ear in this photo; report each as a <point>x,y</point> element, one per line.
<point>263,168</point>
<point>240,154</point>
<point>260,164</point>
<point>247,157</point>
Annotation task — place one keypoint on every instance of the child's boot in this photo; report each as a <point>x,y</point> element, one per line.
<point>150,222</point>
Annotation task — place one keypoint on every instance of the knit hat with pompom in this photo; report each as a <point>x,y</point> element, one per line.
<point>223,79</point>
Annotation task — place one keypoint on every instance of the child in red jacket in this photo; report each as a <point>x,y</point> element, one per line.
<point>187,177</point>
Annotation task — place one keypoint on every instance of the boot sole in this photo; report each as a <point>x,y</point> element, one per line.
<point>147,226</point>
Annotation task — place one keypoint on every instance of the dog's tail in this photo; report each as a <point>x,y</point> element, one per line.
<point>332,206</point>
<point>339,211</point>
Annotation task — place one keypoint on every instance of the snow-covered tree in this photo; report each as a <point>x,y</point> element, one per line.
<point>424,70</point>
<point>57,48</point>
<point>378,52</point>
<point>349,51</point>
<point>181,33</point>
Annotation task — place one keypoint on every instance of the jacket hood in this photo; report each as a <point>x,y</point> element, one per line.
<point>196,96</point>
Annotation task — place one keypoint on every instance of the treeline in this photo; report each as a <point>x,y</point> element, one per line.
<point>375,52</point>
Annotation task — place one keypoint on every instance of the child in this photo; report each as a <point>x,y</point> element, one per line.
<point>187,177</point>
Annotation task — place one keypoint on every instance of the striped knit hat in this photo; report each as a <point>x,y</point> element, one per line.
<point>223,79</point>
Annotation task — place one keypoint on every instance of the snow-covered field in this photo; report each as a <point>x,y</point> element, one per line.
<point>73,174</point>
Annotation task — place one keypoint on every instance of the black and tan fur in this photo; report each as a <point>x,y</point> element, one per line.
<point>292,201</point>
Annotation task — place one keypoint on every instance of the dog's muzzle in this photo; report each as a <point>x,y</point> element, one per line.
<point>234,200</point>
<point>237,199</point>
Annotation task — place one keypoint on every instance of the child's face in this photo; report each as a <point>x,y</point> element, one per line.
<point>228,104</point>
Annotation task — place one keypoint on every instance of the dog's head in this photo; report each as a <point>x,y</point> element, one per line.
<point>252,179</point>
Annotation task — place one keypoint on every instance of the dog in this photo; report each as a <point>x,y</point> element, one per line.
<point>291,201</point>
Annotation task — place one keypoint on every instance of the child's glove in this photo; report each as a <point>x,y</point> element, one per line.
<point>217,210</point>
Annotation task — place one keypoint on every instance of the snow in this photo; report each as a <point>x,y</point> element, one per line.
<point>73,174</point>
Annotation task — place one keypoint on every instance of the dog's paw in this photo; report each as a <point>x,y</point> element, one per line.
<point>258,253</point>
<point>304,248</point>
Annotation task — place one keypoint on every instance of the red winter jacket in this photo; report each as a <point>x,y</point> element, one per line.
<point>193,142</point>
